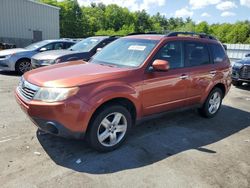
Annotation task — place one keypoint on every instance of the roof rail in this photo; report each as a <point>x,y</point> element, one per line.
<point>144,33</point>
<point>201,35</point>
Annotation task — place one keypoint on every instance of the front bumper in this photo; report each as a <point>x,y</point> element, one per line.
<point>237,76</point>
<point>7,65</point>
<point>68,118</point>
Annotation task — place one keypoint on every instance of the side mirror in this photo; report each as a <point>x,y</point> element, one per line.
<point>98,50</point>
<point>247,55</point>
<point>42,49</point>
<point>160,65</point>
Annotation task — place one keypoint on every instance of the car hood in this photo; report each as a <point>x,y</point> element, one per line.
<point>245,61</point>
<point>51,55</point>
<point>75,73</point>
<point>12,51</point>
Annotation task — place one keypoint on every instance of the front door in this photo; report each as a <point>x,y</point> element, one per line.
<point>164,91</point>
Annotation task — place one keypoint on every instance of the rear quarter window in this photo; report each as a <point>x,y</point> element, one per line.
<point>218,53</point>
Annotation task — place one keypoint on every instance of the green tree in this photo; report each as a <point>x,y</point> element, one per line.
<point>71,24</point>
<point>142,21</point>
<point>202,27</point>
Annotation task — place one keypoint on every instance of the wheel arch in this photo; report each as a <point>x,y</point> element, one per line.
<point>21,59</point>
<point>123,101</point>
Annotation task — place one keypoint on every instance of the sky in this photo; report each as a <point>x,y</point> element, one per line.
<point>212,11</point>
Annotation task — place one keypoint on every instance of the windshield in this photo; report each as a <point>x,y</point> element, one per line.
<point>125,52</point>
<point>86,44</point>
<point>37,45</point>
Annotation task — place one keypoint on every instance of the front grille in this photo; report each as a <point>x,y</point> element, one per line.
<point>245,72</point>
<point>27,90</point>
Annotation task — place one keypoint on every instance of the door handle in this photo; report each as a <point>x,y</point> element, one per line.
<point>213,72</point>
<point>183,76</point>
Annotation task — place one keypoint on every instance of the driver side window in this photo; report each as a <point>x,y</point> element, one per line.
<point>173,53</point>
<point>48,47</point>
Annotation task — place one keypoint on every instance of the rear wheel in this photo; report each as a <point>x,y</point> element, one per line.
<point>236,83</point>
<point>23,66</point>
<point>212,104</point>
<point>109,128</point>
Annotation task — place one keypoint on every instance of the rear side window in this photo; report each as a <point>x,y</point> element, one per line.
<point>67,45</point>
<point>218,53</point>
<point>58,46</point>
<point>196,54</point>
<point>171,52</point>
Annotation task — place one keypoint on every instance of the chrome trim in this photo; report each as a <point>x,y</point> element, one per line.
<point>27,90</point>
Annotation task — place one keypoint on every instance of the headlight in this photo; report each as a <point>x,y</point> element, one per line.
<point>55,94</point>
<point>237,64</point>
<point>48,62</point>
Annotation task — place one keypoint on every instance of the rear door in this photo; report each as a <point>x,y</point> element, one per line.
<point>201,71</point>
<point>166,90</point>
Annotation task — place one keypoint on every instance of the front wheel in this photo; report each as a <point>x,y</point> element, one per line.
<point>109,128</point>
<point>23,66</point>
<point>212,104</point>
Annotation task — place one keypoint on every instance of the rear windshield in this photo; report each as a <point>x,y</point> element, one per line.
<point>125,52</point>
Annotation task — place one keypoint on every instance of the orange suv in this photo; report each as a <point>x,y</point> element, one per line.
<point>133,77</point>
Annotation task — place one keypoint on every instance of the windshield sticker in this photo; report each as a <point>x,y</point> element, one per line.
<point>137,47</point>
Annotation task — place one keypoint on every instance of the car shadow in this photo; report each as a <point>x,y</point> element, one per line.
<point>9,73</point>
<point>244,86</point>
<point>149,142</point>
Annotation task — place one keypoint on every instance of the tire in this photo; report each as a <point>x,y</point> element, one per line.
<point>23,66</point>
<point>103,134</point>
<point>207,110</point>
<point>236,83</point>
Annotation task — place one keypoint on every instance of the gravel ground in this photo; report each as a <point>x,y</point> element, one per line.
<point>175,150</point>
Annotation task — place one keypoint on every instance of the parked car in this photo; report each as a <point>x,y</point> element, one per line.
<point>82,50</point>
<point>131,78</point>
<point>241,72</point>
<point>19,59</point>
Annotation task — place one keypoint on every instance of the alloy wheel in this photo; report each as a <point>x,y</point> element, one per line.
<point>24,66</point>
<point>214,103</point>
<point>112,129</point>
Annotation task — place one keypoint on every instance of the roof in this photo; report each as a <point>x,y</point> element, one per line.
<point>43,4</point>
<point>58,40</point>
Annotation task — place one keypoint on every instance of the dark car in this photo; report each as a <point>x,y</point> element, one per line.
<point>82,50</point>
<point>241,72</point>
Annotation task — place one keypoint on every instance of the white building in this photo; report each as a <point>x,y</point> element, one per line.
<point>25,21</point>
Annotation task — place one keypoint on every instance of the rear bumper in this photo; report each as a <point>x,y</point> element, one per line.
<point>68,118</point>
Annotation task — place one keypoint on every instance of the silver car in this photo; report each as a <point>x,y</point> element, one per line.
<point>19,59</point>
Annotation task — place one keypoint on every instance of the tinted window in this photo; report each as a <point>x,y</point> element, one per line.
<point>218,53</point>
<point>171,52</point>
<point>68,44</point>
<point>196,54</point>
<point>49,46</point>
<point>37,45</point>
<point>58,46</point>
